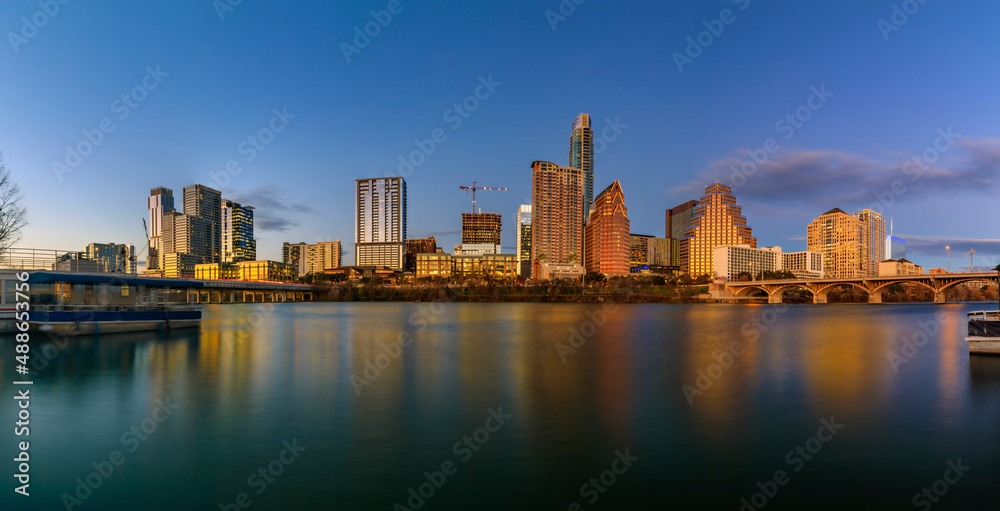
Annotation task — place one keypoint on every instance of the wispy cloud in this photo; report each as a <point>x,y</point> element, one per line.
<point>960,247</point>
<point>272,211</point>
<point>819,180</point>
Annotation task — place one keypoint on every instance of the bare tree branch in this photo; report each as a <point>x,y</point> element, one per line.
<point>13,216</point>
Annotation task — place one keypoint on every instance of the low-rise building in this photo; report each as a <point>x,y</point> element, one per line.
<point>467,265</point>
<point>894,267</point>
<point>552,271</point>
<point>730,261</point>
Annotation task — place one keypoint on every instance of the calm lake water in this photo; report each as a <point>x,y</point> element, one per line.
<point>504,408</point>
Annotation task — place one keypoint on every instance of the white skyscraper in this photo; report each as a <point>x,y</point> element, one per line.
<point>380,222</point>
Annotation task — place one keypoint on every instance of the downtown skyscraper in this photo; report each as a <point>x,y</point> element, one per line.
<point>206,238</point>
<point>380,222</point>
<point>715,221</point>
<point>160,201</point>
<point>523,240</point>
<point>581,156</point>
<point>556,213</point>
<point>238,243</point>
<point>608,240</point>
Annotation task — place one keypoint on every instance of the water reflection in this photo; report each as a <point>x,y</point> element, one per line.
<point>376,414</point>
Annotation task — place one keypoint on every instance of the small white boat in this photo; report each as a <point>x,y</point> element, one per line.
<point>984,332</point>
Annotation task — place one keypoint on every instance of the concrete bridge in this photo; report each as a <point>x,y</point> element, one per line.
<point>874,286</point>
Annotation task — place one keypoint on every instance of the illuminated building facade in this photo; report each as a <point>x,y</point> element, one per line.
<point>852,245</point>
<point>715,221</point>
<point>237,233</point>
<point>556,213</point>
<point>523,241</point>
<point>206,237</point>
<point>380,223</point>
<point>160,201</point>
<point>418,246</point>
<point>607,233</point>
<point>481,229</point>
<point>581,156</point>
<point>678,219</point>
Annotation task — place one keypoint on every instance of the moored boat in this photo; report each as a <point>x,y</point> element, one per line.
<point>984,332</point>
<point>75,303</point>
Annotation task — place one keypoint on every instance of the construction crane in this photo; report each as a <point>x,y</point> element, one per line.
<point>473,189</point>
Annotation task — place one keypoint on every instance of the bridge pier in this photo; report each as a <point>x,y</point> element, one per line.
<point>774,297</point>
<point>874,297</point>
<point>939,297</point>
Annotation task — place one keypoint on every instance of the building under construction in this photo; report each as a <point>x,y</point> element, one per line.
<point>481,228</point>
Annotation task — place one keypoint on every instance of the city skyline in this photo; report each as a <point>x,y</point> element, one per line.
<point>662,148</point>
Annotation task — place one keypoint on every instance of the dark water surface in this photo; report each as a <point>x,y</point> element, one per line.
<point>255,381</point>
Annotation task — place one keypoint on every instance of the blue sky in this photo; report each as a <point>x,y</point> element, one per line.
<point>217,80</point>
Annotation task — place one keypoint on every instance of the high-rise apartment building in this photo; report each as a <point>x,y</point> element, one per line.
<point>160,201</point>
<point>607,233</point>
<point>715,221</point>
<point>296,255</point>
<point>315,258</point>
<point>206,238</point>
<point>852,245</point>
<point>523,240</point>
<point>581,156</point>
<point>481,229</point>
<point>380,222</point>
<point>678,219</point>
<point>874,242</point>
<point>556,213</point>
<point>237,233</point>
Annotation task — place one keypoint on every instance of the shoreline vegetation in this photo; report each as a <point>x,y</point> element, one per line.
<point>630,289</point>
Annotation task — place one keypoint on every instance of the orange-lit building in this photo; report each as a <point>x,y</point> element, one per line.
<point>556,213</point>
<point>607,233</point>
<point>715,221</point>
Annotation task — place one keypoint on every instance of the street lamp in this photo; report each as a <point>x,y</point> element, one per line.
<point>971,253</point>
<point>948,248</point>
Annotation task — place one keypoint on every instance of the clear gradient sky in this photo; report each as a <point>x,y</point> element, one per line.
<point>220,81</point>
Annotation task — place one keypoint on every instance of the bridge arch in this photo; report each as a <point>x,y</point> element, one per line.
<point>746,290</point>
<point>881,287</point>
<point>949,285</point>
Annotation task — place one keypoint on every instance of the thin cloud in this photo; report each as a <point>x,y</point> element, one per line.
<point>272,212</point>
<point>831,177</point>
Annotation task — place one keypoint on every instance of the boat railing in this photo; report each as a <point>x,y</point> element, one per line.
<point>110,308</point>
<point>984,316</point>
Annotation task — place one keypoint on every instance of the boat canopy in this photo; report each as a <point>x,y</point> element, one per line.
<point>47,277</point>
